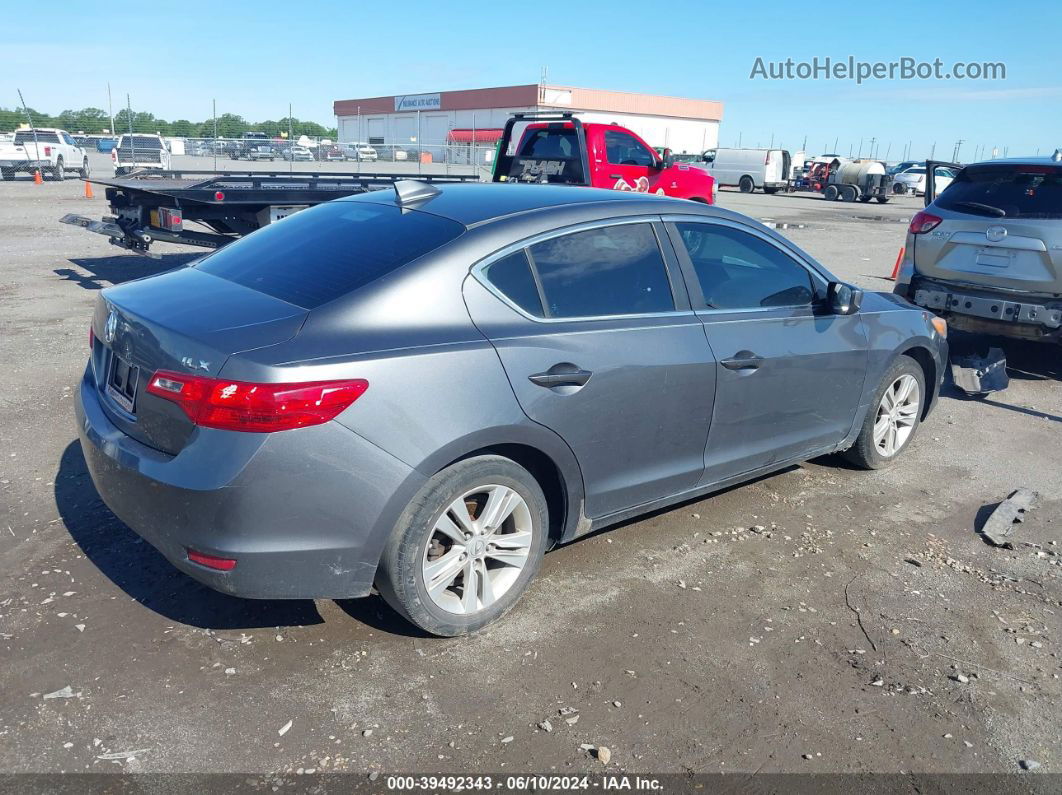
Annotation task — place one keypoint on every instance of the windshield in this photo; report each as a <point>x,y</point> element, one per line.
<point>1018,191</point>
<point>322,253</point>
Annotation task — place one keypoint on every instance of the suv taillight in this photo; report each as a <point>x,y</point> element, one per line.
<point>923,222</point>
<point>260,408</point>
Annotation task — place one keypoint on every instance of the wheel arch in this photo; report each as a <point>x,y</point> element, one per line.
<point>924,359</point>
<point>538,450</point>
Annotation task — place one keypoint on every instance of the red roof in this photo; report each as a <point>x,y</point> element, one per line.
<point>484,136</point>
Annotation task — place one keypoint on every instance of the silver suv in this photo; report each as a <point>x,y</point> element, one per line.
<point>987,253</point>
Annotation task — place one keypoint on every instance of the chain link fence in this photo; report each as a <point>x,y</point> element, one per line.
<point>124,140</point>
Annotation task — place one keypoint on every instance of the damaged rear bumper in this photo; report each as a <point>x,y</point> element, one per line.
<point>1008,314</point>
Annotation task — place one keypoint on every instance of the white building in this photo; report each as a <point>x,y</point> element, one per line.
<point>478,116</point>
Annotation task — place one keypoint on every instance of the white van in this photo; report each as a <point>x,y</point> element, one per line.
<point>748,169</point>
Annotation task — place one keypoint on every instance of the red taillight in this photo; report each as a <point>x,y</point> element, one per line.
<point>923,222</point>
<point>261,408</point>
<point>211,562</point>
<point>219,196</point>
<point>114,155</point>
<point>47,151</point>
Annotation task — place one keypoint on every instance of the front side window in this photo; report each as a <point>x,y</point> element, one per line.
<point>737,270</point>
<point>612,270</point>
<point>623,149</point>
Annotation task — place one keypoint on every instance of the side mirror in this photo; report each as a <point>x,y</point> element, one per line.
<point>844,299</point>
<point>666,159</point>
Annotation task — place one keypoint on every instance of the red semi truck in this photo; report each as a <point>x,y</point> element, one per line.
<point>558,148</point>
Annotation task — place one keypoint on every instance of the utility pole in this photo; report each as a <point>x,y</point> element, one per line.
<point>739,139</point>
<point>834,150</point>
<point>110,108</point>
<point>872,142</point>
<point>933,150</point>
<point>955,151</point>
<point>772,141</point>
<point>860,153</point>
<point>887,150</point>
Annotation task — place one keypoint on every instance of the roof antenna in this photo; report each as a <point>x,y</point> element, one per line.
<point>412,191</point>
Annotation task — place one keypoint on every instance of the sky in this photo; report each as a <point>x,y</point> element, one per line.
<point>254,58</point>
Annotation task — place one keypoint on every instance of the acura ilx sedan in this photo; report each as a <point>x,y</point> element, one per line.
<point>420,390</point>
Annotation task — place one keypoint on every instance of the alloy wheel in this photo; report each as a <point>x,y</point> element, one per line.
<point>477,549</point>
<point>897,415</point>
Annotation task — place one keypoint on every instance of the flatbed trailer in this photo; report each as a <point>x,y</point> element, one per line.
<point>156,205</point>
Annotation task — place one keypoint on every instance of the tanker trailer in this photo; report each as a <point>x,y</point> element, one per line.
<point>858,179</point>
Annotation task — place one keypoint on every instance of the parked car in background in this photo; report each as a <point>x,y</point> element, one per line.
<point>748,169</point>
<point>140,152</point>
<point>106,145</point>
<point>254,146</point>
<point>986,253</point>
<point>51,150</point>
<point>903,166</point>
<point>590,355</point>
<point>913,180</point>
<point>361,151</point>
<point>297,153</point>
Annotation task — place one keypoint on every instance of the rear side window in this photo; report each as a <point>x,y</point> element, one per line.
<point>737,270</point>
<point>1010,191</point>
<point>512,276</point>
<point>613,270</point>
<point>140,142</point>
<point>320,254</point>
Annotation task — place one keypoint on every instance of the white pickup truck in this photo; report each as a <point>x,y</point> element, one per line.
<point>138,152</point>
<point>52,151</point>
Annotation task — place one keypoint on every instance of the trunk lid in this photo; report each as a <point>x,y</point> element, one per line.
<point>186,321</point>
<point>1013,254</point>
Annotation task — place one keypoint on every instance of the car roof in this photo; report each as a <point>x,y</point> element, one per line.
<point>472,204</point>
<point>1020,161</point>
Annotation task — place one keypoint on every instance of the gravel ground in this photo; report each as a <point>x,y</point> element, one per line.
<point>821,619</point>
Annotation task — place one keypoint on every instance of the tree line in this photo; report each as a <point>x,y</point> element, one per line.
<point>91,121</point>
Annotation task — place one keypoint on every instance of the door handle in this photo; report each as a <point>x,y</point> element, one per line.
<point>743,360</point>
<point>552,378</point>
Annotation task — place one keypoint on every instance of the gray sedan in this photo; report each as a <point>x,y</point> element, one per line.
<point>421,390</point>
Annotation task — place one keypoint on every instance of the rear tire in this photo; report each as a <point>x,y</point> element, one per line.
<point>498,559</point>
<point>882,199</point>
<point>830,194</point>
<point>891,424</point>
<point>58,171</point>
<point>84,172</point>
<point>746,185</point>
<point>849,193</point>
<point>7,173</point>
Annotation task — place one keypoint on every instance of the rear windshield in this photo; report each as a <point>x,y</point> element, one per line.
<point>140,142</point>
<point>550,145</point>
<point>322,253</point>
<point>26,136</point>
<point>1006,191</point>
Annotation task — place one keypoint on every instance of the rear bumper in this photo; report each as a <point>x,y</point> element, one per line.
<point>304,513</point>
<point>988,311</point>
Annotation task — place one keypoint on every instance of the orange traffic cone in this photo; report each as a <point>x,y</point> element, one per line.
<point>88,190</point>
<point>896,267</point>
<point>37,177</point>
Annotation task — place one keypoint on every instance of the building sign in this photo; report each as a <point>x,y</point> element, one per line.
<point>418,102</point>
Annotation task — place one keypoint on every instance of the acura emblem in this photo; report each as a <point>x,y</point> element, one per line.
<point>996,233</point>
<point>111,328</point>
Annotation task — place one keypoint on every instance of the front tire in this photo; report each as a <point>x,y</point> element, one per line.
<point>84,172</point>
<point>830,194</point>
<point>893,419</point>
<point>466,546</point>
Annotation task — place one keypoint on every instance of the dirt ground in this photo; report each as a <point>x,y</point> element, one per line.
<point>822,619</point>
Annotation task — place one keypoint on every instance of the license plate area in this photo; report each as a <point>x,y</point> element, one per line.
<point>122,379</point>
